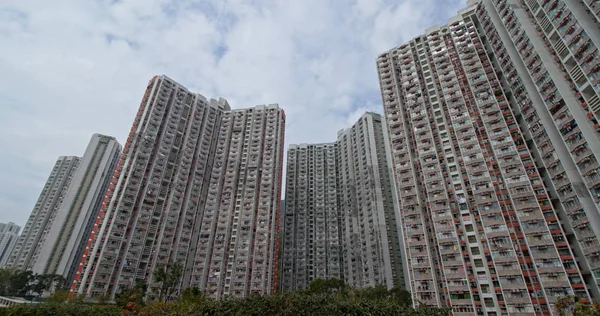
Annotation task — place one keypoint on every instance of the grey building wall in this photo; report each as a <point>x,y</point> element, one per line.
<point>368,210</point>
<point>342,212</point>
<point>311,231</point>
<point>189,166</point>
<point>43,214</point>
<point>494,157</point>
<point>237,252</point>
<point>153,203</point>
<point>65,241</point>
<point>9,233</point>
<point>561,77</point>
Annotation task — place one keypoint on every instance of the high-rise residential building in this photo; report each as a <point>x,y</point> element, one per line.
<point>237,246</point>
<point>24,254</point>
<point>341,211</point>
<point>281,241</point>
<point>493,128</point>
<point>554,45</point>
<point>368,206</point>
<point>311,227</point>
<point>197,184</point>
<point>56,233</point>
<point>148,215</point>
<point>9,233</point>
<point>63,243</point>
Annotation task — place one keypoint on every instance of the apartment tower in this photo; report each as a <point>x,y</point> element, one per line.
<point>25,253</point>
<point>493,128</point>
<point>341,211</point>
<point>311,232</point>
<point>368,206</point>
<point>63,244</point>
<point>237,244</point>
<point>9,233</point>
<point>161,205</point>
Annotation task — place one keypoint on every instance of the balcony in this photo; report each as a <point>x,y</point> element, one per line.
<point>461,302</point>
<point>509,271</point>
<point>525,192</point>
<point>530,216</point>
<point>549,253</point>
<point>589,167</point>
<point>581,221</point>
<point>517,299</point>
<point>480,199</point>
<point>581,154</point>
<point>576,143</point>
<point>424,276</point>
<point>495,234</point>
<point>535,242</point>
<point>560,284</point>
<point>588,250</point>
<point>550,269</point>
<point>593,182</point>
<point>525,205</point>
<point>455,275</point>
<point>453,263</point>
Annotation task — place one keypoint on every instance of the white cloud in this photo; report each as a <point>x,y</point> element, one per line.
<point>73,68</point>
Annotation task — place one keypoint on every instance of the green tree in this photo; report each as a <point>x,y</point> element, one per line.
<point>325,298</point>
<point>379,292</point>
<point>333,285</point>
<point>192,294</point>
<point>59,296</point>
<point>566,304</point>
<point>168,276</point>
<point>582,309</point>
<point>20,283</point>
<point>571,305</point>
<point>66,308</point>
<point>5,281</point>
<point>15,282</point>
<point>132,299</point>
<point>402,296</point>
<point>45,282</point>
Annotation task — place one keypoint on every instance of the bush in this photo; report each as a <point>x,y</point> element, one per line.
<point>294,303</point>
<point>330,297</point>
<point>59,309</point>
<point>60,296</point>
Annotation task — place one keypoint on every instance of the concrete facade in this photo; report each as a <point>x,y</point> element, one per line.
<point>29,244</point>
<point>341,211</point>
<point>561,76</point>
<point>9,233</point>
<point>237,247</point>
<point>66,239</point>
<point>162,204</point>
<point>368,206</point>
<point>493,135</point>
<point>311,231</point>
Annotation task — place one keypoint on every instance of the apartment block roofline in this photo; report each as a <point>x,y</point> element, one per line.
<point>178,149</point>
<point>471,5</point>
<point>306,145</point>
<point>260,106</point>
<point>367,113</point>
<point>219,103</point>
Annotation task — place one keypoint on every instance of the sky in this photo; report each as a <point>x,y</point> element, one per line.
<point>71,68</point>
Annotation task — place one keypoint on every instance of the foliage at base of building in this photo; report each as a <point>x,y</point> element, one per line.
<point>323,297</point>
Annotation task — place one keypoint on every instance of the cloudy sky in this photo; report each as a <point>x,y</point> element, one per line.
<point>71,68</point>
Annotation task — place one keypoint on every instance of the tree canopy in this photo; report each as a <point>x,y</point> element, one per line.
<point>572,305</point>
<point>323,297</point>
<point>168,276</point>
<point>27,284</point>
